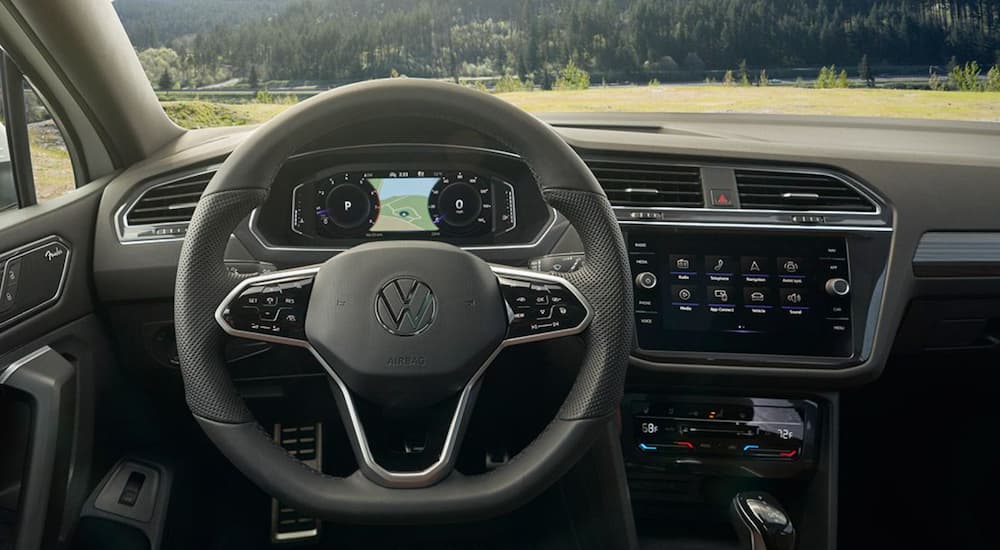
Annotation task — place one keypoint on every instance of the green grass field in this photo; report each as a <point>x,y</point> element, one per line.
<point>984,106</point>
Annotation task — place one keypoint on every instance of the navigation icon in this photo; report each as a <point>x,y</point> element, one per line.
<point>754,267</point>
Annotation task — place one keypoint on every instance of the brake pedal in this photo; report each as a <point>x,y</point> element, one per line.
<point>306,444</point>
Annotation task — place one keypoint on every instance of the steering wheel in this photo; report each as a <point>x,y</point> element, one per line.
<point>403,324</point>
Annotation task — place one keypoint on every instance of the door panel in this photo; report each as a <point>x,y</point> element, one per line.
<point>52,350</point>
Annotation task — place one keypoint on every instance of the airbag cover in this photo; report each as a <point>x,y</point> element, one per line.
<point>405,323</point>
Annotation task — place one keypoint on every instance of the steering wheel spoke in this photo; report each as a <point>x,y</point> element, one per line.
<point>270,307</point>
<point>541,306</point>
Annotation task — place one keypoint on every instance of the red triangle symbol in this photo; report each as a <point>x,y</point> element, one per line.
<point>723,199</point>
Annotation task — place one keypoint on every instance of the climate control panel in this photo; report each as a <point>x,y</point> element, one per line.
<point>675,429</point>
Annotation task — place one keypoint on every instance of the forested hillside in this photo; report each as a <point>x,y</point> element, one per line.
<point>340,40</point>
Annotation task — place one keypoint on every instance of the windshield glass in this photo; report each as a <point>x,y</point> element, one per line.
<point>233,62</point>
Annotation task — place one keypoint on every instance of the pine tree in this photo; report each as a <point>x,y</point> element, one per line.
<point>166,80</point>
<point>865,72</point>
<point>742,73</point>
<point>252,79</point>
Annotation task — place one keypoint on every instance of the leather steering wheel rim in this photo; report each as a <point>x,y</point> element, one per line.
<point>242,184</point>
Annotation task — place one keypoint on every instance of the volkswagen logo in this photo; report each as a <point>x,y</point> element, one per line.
<point>405,306</point>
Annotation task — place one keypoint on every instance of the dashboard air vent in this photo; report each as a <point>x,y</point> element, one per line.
<point>764,190</point>
<point>649,183</point>
<point>170,202</point>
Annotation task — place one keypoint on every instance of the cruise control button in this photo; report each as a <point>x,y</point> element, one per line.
<point>270,314</point>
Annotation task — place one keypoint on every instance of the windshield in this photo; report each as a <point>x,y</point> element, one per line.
<point>234,62</point>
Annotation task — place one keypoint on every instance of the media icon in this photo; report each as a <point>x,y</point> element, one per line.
<point>684,294</point>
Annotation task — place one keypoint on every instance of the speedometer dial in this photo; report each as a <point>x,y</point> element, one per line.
<point>461,203</point>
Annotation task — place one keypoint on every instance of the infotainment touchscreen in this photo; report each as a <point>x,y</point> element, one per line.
<point>785,295</point>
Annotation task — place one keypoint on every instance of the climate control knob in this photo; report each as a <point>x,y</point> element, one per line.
<point>645,280</point>
<point>838,287</point>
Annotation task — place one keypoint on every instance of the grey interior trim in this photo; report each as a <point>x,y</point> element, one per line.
<point>957,253</point>
<point>440,468</point>
<point>28,249</point>
<point>49,379</point>
<point>151,511</point>
<point>12,368</point>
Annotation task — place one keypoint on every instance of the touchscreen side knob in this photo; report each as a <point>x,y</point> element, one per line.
<point>645,280</point>
<point>838,287</point>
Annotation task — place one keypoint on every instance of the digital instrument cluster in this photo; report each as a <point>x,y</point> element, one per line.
<point>400,203</point>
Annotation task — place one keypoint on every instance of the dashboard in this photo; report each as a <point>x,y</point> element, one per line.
<point>789,254</point>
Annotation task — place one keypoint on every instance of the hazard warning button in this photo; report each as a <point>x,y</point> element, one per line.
<point>722,198</point>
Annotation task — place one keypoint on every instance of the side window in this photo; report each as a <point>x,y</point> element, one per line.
<point>35,164</point>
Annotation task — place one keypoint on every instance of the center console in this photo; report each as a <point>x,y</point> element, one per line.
<point>778,275</point>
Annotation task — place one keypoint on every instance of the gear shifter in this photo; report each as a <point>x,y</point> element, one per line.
<point>761,522</point>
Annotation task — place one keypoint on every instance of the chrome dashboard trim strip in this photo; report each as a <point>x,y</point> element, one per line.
<point>442,467</point>
<point>738,225</point>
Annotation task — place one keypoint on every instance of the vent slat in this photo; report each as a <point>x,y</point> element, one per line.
<point>765,190</point>
<point>629,182</point>
<point>171,202</point>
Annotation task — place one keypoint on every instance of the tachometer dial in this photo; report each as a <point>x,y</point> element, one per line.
<point>347,202</point>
